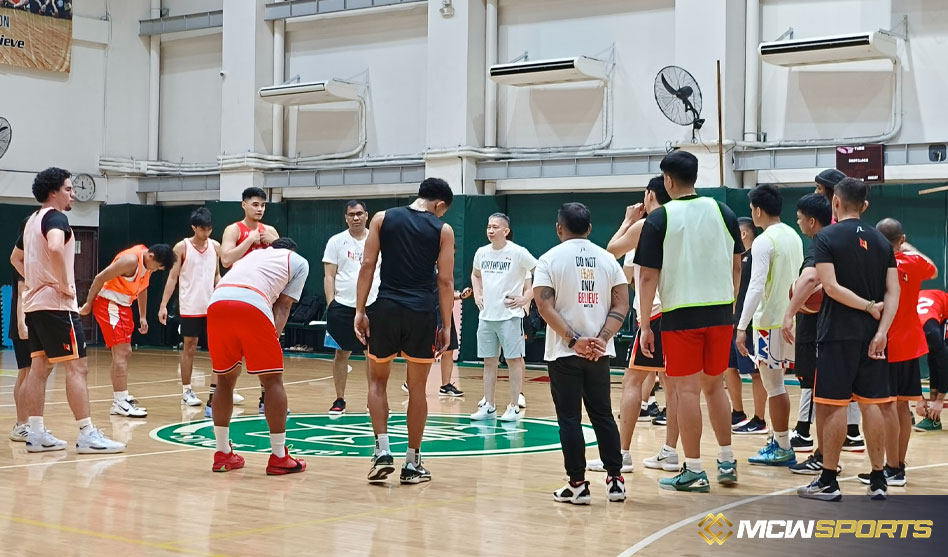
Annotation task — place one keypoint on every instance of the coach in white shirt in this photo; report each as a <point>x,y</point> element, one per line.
<point>583,296</point>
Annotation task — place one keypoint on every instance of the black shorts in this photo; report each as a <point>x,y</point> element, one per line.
<point>804,366</point>
<point>638,361</point>
<point>905,380</point>
<point>339,325</point>
<point>454,345</point>
<point>395,329</point>
<point>195,327</point>
<point>743,364</point>
<point>21,348</point>
<point>56,334</point>
<point>845,372</point>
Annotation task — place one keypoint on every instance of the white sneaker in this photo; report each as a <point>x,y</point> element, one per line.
<point>485,412</point>
<point>405,386</point>
<point>189,399</point>
<point>663,461</point>
<point>521,401</point>
<point>615,488</point>
<point>481,402</point>
<point>95,442</point>
<point>512,414</point>
<point>131,399</point>
<point>42,442</point>
<point>127,408</point>
<point>237,398</point>
<point>597,466</point>
<point>578,495</point>
<point>20,433</point>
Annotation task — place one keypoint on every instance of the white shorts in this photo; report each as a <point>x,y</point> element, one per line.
<point>771,350</point>
<point>492,336</point>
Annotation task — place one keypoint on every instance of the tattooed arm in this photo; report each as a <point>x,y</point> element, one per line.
<point>617,312</point>
<point>545,299</point>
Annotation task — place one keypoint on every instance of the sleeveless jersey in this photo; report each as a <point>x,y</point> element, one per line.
<point>124,290</point>
<point>42,284</point>
<point>245,232</point>
<point>196,280</point>
<point>411,242</point>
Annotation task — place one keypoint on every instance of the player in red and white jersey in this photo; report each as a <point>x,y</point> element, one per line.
<point>247,313</point>
<point>197,268</point>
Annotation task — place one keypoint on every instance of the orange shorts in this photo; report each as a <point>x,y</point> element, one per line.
<point>690,351</point>
<point>115,320</point>
<point>238,331</point>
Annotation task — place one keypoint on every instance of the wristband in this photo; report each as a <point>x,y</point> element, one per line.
<point>870,306</point>
<point>572,341</point>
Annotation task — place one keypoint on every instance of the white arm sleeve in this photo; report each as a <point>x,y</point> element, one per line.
<point>762,251</point>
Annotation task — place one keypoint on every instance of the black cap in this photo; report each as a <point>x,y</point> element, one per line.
<point>829,177</point>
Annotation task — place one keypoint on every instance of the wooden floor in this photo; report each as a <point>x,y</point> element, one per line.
<point>161,498</point>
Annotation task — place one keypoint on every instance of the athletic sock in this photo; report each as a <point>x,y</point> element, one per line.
<point>644,405</point>
<point>783,439</point>
<point>278,444</point>
<point>876,476</point>
<point>803,428</point>
<point>222,435</point>
<point>413,456</point>
<point>651,400</point>
<point>694,464</point>
<point>828,477</point>
<point>210,397</point>
<point>626,456</point>
<point>852,430</point>
<point>36,424</point>
<point>120,395</point>
<point>726,454</point>
<point>668,450</point>
<point>185,388</point>
<point>381,444</point>
<point>85,425</point>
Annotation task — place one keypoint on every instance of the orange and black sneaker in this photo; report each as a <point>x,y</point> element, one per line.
<point>287,465</point>
<point>225,462</point>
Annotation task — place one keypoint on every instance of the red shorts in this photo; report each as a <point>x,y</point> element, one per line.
<point>238,331</point>
<point>690,351</point>
<point>115,320</point>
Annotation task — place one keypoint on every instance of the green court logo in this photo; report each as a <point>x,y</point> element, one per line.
<point>351,435</point>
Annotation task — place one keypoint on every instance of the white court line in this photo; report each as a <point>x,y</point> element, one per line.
<point>645,542</point>
<point>175,394</point>
<point>109,385</point>
<point>92,459</point>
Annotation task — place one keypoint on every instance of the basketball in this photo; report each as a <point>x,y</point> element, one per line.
<point>813,303</point>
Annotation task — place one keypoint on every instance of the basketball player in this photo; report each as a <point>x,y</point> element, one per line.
<point>933,313</point>
<point>739,364</point>
<point>110,298</point>
<point>342,260</point>
<point>247,313</point>
<point>778,255</point>
<point>624,242</point>
<point>906,346</point>
<point>697,287</point>
<point>411,241</point>
<point>856,266</point>
<point>21,348</point>
<point>45,256</point>
<point>583,296</point>
<point>501,292</point>
<point>197,266</point>
<point>813,214</point>
<point>241,238</point>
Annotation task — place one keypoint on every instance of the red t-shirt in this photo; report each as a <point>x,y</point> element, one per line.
<point>932,304</point>
<point>906,337</point>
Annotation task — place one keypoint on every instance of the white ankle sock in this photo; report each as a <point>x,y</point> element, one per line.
<point>120,395</point>
<point>222,435</point>
<point>694,464</point>
<point>278,444</point>
<point>85,425</point>
<point>381,444</point>
<point>185,388</point>
<point>413,456</point>
<point>668,450</point>
<point>36,424</point>
<point>783,439</point>
<point>726,454</point>
<point>626,455</point>
<point>644,405</point>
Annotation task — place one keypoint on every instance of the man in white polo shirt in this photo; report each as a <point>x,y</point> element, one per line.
<point>501,290</point>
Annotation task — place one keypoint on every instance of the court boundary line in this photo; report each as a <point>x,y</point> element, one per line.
<point>655,536</point>
<point>95,458</point>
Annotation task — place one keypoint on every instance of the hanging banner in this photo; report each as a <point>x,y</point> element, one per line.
<point>36,34</point>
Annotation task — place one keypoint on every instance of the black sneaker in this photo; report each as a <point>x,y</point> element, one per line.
<point>382,466</point>
<point>754,426</point>
<point>878,490</point>
<point>893,476</point>
<point>820,491</point>
<point>338,407</point>
<point>854,444</point>
<point>738,418</point>
<point>646,414</point>
<point>661,418</point>
<point>450,390</point>
<point>800,443</point>
<point>415,473</point>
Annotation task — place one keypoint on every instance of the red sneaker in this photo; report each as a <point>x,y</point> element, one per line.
<point>225,462</point>
<point>286,465</point>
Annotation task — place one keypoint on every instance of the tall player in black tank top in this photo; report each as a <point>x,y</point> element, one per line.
<point>403,320</point>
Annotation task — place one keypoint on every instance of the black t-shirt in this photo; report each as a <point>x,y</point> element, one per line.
<point>650,253</point>
<point>14,333</point>
<point>861,257</point>
<point>807,322</point>
<point>747,261</point>
<point>51,220</point>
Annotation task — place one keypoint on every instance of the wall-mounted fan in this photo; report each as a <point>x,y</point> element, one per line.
<point>679,97</point>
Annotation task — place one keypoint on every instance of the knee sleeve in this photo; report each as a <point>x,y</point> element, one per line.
<point>772,378</point>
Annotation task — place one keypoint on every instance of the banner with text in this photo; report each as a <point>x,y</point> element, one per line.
<point>36,34</point>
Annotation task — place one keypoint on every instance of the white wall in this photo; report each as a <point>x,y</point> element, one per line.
<point>643,33</point>
<point>389,50</point>
<point>182,7</point>
<point>190,98</point>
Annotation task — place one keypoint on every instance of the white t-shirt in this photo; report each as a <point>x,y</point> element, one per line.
<point>636,272</point>
<point>503,272</point>
<point>345,252</point>
<point>298,270</point>
<point>582,275</point>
